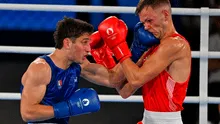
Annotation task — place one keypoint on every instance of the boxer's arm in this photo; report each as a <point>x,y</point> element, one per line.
<point>34,81</point>
<point>126,90</point>
<point>100,75</point>
<point>154,65</point>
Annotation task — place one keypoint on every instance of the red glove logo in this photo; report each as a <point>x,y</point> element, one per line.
<point>114,32</point>
<point>109,31</point>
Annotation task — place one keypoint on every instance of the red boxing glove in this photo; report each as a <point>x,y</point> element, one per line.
<point>101,52</point>
<point>140,122</point>
<point>114,32</point>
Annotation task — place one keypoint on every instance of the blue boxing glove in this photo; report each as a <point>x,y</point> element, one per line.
<point>141,42</point>
<point>82,101</point>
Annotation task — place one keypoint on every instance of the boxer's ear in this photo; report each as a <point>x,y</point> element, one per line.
<point>165,14</point>
<point>67,43</point>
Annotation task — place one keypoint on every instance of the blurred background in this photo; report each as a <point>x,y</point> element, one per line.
<point>35,28</point>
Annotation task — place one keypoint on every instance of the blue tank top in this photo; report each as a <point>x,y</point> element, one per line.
<point>62,84</point>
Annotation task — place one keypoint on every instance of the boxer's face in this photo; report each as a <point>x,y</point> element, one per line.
<point>152,20</point>
<point>79,48</point>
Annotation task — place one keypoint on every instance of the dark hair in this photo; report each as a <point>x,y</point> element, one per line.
<point>152,3</point>
<point>70,28</point>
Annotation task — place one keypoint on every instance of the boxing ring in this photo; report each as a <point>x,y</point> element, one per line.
<point>203,54</point>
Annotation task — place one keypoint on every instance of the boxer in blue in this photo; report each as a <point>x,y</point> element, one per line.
<point>49,90</point>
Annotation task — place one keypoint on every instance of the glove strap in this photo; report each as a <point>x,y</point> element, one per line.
<point>61,110</point>
<point>122,51</point>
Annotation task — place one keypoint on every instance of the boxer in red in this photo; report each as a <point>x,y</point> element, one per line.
<point>165,70</point>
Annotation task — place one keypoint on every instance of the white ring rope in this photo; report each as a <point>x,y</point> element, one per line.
<point>26,50</point>
<point>46,50</point>
<point>99,9</point>
<point>117,98</point>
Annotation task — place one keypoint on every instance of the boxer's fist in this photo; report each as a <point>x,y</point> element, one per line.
<point>101,52</point>
<point>114,32</point>
<point>82,101</point>
<point>142,40</point>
